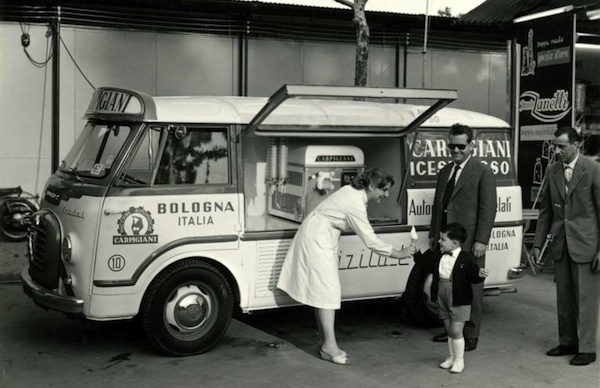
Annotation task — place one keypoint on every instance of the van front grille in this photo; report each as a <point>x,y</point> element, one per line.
<point>37,244</point>
<point>44,250</point>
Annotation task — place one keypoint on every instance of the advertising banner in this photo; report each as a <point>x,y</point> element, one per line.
<point>545,96</point>
<point>493,147</point>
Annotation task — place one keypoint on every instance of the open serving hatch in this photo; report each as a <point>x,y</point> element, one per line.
<point>301,172</point>
<point>346,111</point>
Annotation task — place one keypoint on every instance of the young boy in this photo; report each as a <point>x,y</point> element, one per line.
<point>454,270</point>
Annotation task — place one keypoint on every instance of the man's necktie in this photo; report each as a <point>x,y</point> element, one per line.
<point>568,175</point>
<point>449,188</point>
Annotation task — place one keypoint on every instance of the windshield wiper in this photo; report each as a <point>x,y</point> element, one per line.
<point>73,170</point>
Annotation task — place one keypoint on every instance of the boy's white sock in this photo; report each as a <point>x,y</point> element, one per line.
<point>447,364</point>
<point>459,348</point>
<point>451,347</point>
<point>459,354</point>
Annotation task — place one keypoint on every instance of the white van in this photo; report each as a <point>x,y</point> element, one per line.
<point>181,209</point>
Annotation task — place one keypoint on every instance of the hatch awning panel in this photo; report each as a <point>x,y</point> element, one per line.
<point>298,110</point>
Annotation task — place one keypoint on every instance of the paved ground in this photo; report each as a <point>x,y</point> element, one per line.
<point>13,258</point>
<point>277,349</point>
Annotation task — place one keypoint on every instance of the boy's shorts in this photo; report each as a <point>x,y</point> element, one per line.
<point>444,300</point>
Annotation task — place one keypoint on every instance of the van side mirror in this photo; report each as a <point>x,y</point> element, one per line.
<point>180,131</point>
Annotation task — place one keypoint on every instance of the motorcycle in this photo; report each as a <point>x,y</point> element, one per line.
<point>16,206</point>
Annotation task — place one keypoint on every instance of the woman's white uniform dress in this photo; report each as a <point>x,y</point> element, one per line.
<point>310,270</point>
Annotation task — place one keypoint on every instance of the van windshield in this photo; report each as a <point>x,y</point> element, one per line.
<point>95,150</point>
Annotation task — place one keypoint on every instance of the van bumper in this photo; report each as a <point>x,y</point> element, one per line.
<point>50,299</point>
<point>516,272</point>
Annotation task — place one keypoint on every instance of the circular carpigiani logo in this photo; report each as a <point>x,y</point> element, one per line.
<point>136,226</point>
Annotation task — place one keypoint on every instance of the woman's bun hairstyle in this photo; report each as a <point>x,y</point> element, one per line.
<point>376,177</point>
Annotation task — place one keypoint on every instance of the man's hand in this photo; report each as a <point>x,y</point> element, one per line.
<point>596,263</point>
<point>432,243</point>
<point>535,253</point>
<point>478,249</point>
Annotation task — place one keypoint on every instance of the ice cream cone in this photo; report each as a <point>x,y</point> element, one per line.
<point>413,237</point>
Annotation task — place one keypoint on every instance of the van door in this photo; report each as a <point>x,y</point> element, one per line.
<point>177,188</point>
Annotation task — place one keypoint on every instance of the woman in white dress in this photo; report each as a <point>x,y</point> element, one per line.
<point>310,271</point>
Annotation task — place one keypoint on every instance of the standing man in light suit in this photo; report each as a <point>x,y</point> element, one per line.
<point>569,212</point>
<point>465,193</point>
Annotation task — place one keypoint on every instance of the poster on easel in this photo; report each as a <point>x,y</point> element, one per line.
<point>545,95</point>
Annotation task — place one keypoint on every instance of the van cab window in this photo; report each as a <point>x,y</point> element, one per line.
<point>180,155</point>
<point>145,159</point>
<point>95,150</point>
<point>194,156</point>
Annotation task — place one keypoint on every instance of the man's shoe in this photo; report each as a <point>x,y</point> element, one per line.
<point>442,337</point>
<point>470,344</point>
<point>583,358</point>
<point>561,350</point>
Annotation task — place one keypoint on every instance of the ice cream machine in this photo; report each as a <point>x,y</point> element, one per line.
<point>299,178</point>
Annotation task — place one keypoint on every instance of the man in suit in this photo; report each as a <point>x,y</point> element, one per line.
<point>465,193</point>
<point>569,213</point>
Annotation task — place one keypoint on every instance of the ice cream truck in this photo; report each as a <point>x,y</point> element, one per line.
<point>180,210</point>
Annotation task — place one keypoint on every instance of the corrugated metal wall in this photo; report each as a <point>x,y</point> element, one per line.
<point>188,63</point>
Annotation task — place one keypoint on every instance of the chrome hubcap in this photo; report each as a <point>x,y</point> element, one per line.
<point>188,309</point>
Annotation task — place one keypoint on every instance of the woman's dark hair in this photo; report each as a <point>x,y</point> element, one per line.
<point>455,232</point>
<point>377,177</point>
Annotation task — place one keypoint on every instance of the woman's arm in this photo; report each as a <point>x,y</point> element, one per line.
<point>356,216</point>
<point>403,253</point>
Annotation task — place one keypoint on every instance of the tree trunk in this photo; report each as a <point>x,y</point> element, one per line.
<point>362,43</point>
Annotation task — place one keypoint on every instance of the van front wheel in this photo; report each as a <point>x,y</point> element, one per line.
<point>187,308</point>
<point>416,303</point>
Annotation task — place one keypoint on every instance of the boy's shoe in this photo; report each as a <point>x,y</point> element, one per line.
<point>458,366</point>
<point>448,363</point>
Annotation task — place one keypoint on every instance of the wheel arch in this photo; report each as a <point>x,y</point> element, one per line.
<point>226,271</point>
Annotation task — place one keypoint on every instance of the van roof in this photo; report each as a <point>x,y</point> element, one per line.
<point>312,112</point>
<point>297,110</point>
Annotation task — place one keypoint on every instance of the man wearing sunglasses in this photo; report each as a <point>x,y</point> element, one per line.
<point>465,193</point>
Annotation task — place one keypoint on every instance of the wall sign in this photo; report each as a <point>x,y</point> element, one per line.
<point>545,96</point>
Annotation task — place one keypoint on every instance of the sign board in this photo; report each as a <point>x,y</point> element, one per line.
<point>545,96</point>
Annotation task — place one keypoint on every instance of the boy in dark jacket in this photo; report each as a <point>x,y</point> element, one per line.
<point>454,270</point>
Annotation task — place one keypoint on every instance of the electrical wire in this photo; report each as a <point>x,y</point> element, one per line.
<point>75,63</point>
<point>33,61</point>
<point>43,110</point>
<point>264,26</point>
<point>49,54</point>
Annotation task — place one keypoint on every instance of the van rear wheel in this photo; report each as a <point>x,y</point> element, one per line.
<point>416,302</point>
<point>187,308</point>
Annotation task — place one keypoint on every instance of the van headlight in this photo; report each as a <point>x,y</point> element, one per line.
<point>67,249</point>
